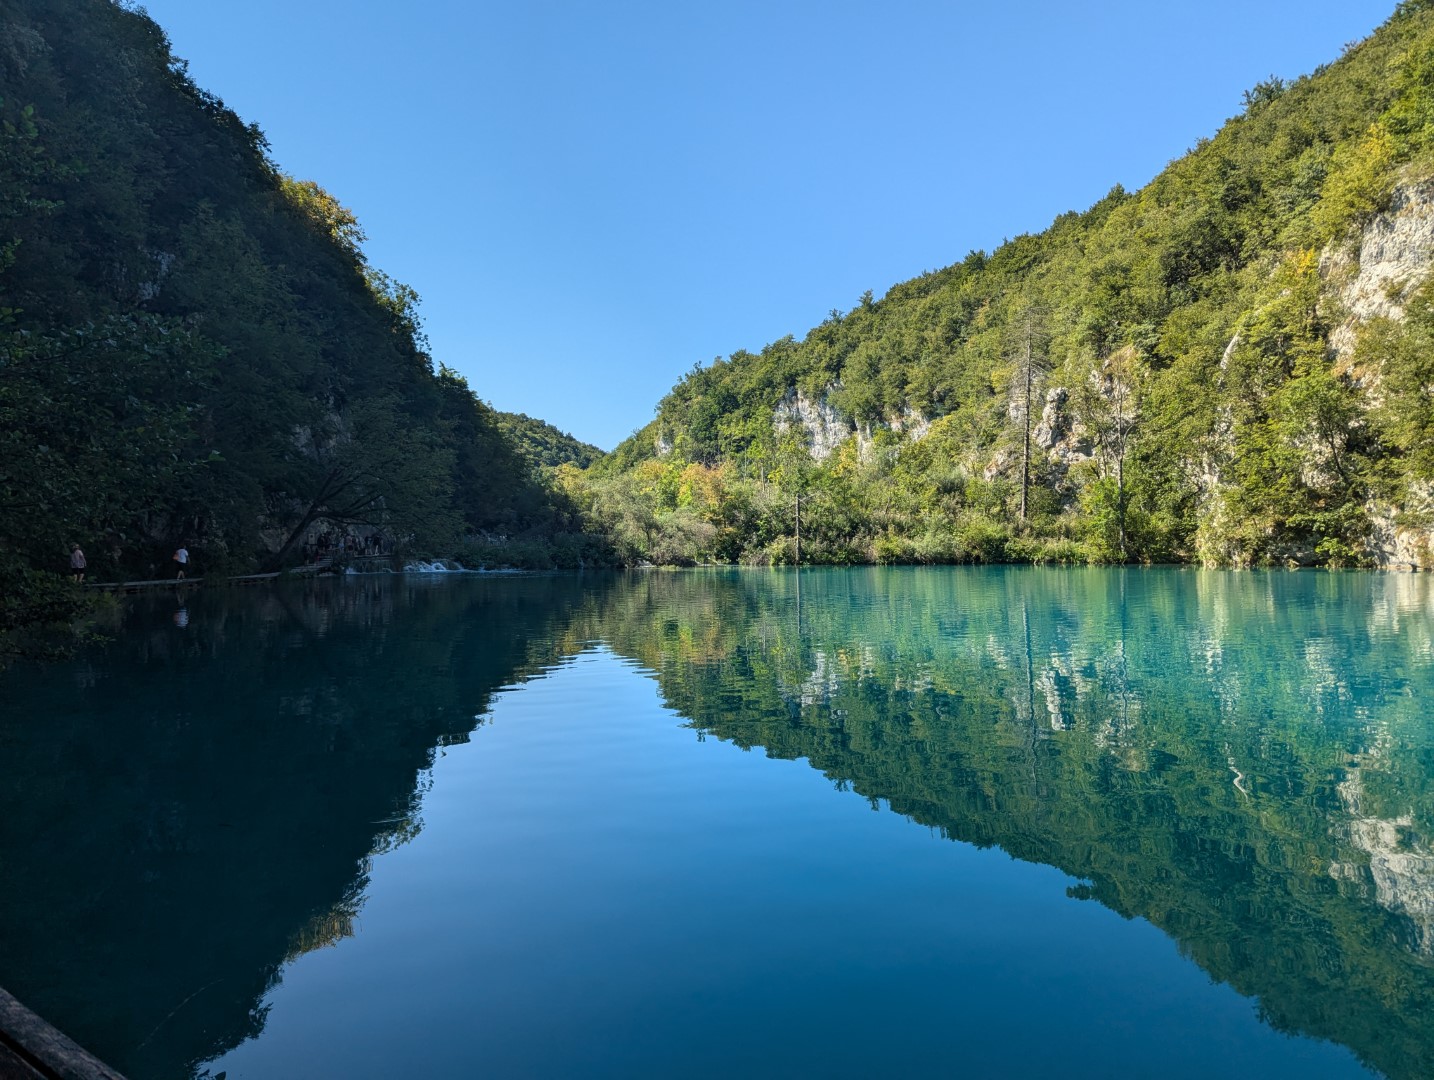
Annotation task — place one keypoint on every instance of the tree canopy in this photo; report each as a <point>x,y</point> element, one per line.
<point>193,344</point>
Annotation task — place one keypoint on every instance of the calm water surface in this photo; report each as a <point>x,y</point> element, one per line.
<point>952,822</point>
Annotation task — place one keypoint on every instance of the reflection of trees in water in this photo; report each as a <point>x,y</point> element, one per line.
<point>1399,869</point>
<point>1240,758</point>
<point>1243,759</point>
<point>204,801</point>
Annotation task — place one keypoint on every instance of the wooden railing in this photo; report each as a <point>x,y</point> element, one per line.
<point>31,1049</point>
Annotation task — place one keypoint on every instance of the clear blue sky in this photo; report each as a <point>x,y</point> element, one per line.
<point>593,196</point>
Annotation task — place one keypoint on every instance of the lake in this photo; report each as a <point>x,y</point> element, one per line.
<point>976,821</point>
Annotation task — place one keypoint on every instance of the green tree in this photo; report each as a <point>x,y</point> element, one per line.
<point>1109,405</point>
<point>374,467</point>
<point>97,433</point>
<point>98,425</point>
<point>1401,356</point>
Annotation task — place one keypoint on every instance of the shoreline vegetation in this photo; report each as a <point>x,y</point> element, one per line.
<point>1232,366</point>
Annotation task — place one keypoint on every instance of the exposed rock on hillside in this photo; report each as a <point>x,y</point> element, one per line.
<point>1394,542</point>
<point>1396,253</point>
<point>823,428</point>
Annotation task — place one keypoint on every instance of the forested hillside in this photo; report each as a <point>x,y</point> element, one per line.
<point>1233,365</point>
<point>545,446</point>
<point>193,346</point>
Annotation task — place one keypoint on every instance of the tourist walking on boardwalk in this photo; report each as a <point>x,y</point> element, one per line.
<point>181,560</point>
<point>77,564</point>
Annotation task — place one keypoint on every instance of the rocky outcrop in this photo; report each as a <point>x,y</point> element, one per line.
<point>1396,253</point>
<point>911,424</point>
<point>1065,441</point>
<point>1055,422</point>
<point>1002,461</point>
<point>163,263</point>
<point>823,428</point>
<point>1395,541</point>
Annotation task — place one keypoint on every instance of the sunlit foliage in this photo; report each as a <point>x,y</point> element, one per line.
<point>1191,405</point>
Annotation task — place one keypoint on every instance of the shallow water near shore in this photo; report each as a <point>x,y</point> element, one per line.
<point>1005,821</point>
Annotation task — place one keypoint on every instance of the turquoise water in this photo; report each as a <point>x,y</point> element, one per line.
<point>970,821</point>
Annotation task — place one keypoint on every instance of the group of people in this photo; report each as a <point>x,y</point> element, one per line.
<point>339,545</point>
<point>79,565</point>
<point>324,545</point>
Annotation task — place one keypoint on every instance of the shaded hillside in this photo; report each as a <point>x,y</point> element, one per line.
<point>193,346</point>
<point>186,862</point>
<point>1229,365</point>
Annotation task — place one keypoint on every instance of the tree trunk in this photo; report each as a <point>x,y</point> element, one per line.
<point>798,509</point>
<point>1026,424</point>
<point>276,561</point>
<point>1120,499</point>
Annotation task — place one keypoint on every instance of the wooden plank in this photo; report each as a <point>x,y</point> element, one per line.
<point>160,583</point>
<point>305,570</point>
<point>29,1043</point>
<point>154,583</point>
<point>14,1067</point>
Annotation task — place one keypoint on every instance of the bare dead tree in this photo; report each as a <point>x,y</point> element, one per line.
<point>1031,363</point>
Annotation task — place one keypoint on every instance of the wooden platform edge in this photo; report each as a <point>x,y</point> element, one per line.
<point>31,1047</point>
<point>295,572</point>
<point>152,583</point>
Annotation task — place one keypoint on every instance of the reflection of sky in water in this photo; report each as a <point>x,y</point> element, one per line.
<point>1237,760</point>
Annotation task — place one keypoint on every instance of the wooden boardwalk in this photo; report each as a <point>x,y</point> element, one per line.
<point>31,1049</point>
<point>136,586</point>
<point>312,569</point>
<point>176,583</point>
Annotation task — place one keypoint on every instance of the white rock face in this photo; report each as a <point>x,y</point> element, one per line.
<point>1054,424</point>
<point>822,427</point>
<point>163,263</point>
<point>911,424</point>
<point>1229,352</point>
<point>1063,438</point>
<point>1395,257</point>
<point>1396,254</point>
<point>1402,547</point>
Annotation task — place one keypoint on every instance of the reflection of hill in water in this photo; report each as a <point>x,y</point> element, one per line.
<point>205,799</point>
<point>1243,759</point>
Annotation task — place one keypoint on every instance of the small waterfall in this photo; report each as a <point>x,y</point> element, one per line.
<point>437,566</point>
